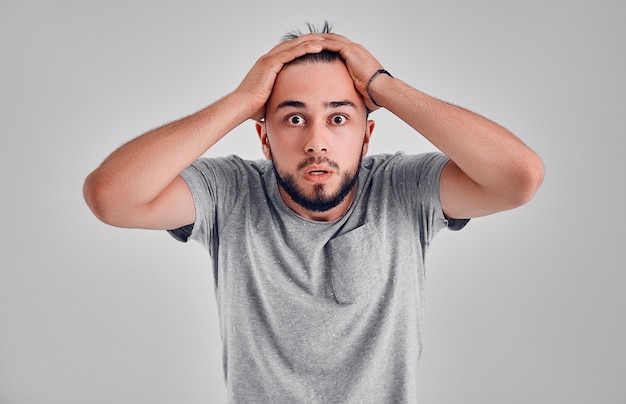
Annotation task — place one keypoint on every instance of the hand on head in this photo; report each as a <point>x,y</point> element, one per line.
<point>258,83</point>
<point>361,64</point>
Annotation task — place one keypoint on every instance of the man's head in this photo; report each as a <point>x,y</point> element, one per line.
<point>324,56</point>
<point>315,131</point>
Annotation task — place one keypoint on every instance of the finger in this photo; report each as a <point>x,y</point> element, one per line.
<point>358,58</point>
<point>336,37</point>
<point>287,52</point>
<point>288,55</point>
<point>313,45</point>
<point>345,47</point>
<point>295,42</point>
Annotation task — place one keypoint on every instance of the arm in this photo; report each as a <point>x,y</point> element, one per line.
<point>139,185</point>
<point>490,169</point>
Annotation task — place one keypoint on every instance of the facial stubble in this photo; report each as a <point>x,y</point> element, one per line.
<point>320,201</point>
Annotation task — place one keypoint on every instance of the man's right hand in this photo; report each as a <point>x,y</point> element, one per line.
<point>139,184</point>
<point>258,83</point>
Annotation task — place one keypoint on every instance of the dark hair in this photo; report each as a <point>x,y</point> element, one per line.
<point>323,56</point>
<point>325,29</point>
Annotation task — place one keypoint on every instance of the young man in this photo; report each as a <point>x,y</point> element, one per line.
<point>318,253</point>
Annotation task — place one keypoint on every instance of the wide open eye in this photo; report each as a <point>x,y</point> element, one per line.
<point>338,119</point>
<point>295,120</point>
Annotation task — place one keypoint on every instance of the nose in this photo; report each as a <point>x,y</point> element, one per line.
<point>317,140</point>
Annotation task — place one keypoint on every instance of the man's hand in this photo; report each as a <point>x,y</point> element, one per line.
<point>132,188</point>
<point>258,83</point>
<point>491,169</point>
<point>360,62</point>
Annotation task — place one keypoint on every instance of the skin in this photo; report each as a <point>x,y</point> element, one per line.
<point>315,131</point>
<point>490,169</point>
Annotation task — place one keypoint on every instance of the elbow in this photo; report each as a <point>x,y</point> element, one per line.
<point>528,180</point>
<point>98,197</point>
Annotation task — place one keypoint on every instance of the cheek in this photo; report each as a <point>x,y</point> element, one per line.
<point>278,152</point>
<point>350,148</point>
<point>282,145</point>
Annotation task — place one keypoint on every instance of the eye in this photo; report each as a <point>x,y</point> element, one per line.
<point>295,120</point>
<point>338,119</point>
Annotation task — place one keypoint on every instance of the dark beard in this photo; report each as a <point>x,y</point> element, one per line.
<point>320,201</point>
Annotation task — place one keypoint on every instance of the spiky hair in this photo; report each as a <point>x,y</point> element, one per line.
<point>325,29</point>
<point>324,56</point>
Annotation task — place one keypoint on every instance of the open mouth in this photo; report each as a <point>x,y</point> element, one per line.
<point>318,172</point>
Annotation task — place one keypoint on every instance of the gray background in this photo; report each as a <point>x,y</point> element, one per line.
<point>526,306</point>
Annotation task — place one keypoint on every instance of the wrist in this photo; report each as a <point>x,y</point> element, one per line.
<point>369,90</point>
<point>247,107</point>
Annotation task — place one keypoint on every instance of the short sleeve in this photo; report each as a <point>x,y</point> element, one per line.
<point>456,224</point>
<point>182,233</point>
<point>416,180</point>
<point>214,185</point>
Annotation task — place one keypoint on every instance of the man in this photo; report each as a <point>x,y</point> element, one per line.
<point>318,253</point>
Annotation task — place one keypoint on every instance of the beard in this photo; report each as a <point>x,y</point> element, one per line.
<point>320,201</point>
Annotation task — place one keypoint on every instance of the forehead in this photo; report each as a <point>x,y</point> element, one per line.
<point>314,84</point>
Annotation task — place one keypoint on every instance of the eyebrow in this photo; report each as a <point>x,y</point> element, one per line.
<point>301,105</point>
<point>337,104</point>
<point>290,103</point>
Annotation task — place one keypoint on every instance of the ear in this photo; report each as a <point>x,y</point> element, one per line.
<point>265,143</point>
<point>369,129</point>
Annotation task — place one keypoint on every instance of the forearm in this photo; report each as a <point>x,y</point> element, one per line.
<point>486,152</point>
<point>138,184</point>
<point>137,172</point>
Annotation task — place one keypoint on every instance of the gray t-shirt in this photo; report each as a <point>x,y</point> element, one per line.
<point>319,312</point>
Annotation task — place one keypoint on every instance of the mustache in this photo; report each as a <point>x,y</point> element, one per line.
<point>318,161</point>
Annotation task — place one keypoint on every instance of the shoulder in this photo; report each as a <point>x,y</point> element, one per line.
<point>233,161</point>
<point>399,162</point>
<point>229,166</point>
<point>411,179</point>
